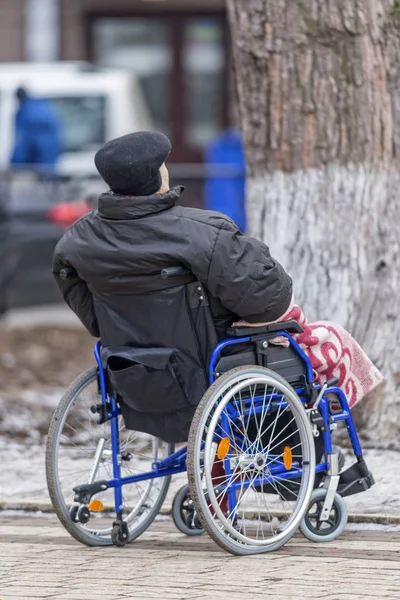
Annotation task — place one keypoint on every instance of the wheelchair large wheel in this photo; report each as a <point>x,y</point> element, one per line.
<point>73,438</point>
<point>250,438</point>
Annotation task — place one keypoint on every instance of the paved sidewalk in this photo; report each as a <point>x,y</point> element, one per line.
<point>39,560</point>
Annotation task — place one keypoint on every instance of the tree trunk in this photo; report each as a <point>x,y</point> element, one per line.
<point>319,97</point>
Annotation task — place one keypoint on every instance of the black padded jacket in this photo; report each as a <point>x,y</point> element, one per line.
<point>159,333</point>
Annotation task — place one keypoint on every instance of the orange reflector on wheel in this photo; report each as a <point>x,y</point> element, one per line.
<point>223,448</point>
<point>96,505</point>
<point>287,458</point>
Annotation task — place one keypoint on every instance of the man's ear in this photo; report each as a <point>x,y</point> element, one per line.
<point>164,180</point>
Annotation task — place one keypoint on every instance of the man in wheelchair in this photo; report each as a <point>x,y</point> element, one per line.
<point>108,266</point>
<point>163,286</point>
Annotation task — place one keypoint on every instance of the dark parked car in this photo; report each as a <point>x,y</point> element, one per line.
<point>35,210</point>
<point>34,213</point>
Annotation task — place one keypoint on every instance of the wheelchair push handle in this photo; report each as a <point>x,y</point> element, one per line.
<point>67,273</point>
<point>174,272</point>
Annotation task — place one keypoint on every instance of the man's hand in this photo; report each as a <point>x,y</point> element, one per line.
<point>246,324</point>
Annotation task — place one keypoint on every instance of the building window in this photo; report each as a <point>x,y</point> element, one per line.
<point>142,46</point>
<point>180,61</point>
<point>204,65</point>
<point>83,121</point>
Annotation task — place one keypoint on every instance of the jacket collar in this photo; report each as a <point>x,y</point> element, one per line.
<point>114,206</point>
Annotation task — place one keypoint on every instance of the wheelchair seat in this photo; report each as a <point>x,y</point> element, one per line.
<point>259,351</point>
<point>284,361</point>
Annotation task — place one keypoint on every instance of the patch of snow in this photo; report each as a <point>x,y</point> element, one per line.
<point>27,413</point>
<point>50,315</point>
<point>372,527</point>
<point>384,496</point>
<point>22,479</point>
<point>20,514</point>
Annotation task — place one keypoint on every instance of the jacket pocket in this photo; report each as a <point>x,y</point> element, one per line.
<point>145,378</point>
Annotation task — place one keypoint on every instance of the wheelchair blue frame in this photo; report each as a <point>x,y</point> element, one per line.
<point>176,462</point>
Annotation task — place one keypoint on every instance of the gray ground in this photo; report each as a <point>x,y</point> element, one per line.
<point>39,560</point>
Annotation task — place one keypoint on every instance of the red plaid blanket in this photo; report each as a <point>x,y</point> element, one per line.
<point>333,352</point>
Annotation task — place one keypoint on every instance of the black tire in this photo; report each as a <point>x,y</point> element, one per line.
<point>81,532</point>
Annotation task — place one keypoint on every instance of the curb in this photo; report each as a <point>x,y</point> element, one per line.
<point>377,518</point>
<point>29,507</point>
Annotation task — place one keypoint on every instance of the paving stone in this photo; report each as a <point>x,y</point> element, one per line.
<point>164,564</point>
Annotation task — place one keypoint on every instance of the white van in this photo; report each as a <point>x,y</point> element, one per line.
<point>95,105</point>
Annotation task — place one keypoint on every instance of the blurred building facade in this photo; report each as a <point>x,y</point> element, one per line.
<point>179,49</point>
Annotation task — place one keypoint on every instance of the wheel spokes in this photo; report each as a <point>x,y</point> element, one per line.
<point>252,491</point>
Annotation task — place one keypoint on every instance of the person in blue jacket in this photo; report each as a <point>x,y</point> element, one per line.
<point>225,184</point>
<point>37,133</point>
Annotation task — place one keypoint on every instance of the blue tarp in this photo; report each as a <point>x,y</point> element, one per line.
<point>225,192</point>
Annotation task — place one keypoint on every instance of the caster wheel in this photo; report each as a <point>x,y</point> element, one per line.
<point>83,514</point>
<point>324,531</point>
<point>73,513</point>
<point>79,514</point>
<point>119,533</point>
<point>184,515</point>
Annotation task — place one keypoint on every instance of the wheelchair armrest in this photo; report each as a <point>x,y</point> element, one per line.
<point>291,326</point>
<point>177,271</point>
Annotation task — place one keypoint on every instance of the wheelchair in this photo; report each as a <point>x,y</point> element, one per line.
<point>259,458</point>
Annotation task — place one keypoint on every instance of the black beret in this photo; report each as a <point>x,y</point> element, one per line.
<point>130,164</point>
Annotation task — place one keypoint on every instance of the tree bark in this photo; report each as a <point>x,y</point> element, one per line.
<point>318,86</point>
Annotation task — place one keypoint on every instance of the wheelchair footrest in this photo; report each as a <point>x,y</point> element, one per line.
<point>84,492</point>
<point>355,479</point>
